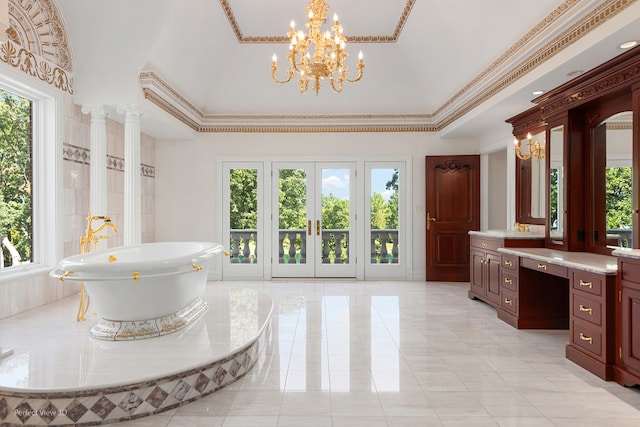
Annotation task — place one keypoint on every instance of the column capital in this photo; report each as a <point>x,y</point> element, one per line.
<point>130,110</point>
<point>96,110</point>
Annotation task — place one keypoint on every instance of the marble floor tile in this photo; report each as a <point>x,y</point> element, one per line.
<point>388,353</point>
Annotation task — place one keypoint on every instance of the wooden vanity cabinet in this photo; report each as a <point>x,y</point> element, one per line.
<point>627,369</point>
<point>535,294</point>
<point>509,284</point>
<point>591,331</point>
<point>486,266</point>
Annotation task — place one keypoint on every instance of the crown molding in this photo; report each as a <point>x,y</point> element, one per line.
<point>557,31</point>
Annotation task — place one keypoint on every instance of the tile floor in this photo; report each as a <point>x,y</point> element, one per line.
<point>404,354</point>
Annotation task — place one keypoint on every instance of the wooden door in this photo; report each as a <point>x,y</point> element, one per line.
<point>452,210</point>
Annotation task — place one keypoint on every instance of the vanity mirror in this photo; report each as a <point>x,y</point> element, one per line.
<point>531,178</point>
<point>555,150</point>
<point>612,184</point>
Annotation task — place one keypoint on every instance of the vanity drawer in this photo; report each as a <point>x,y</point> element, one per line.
<point>509,302</point>
<point>588,339</point>
<point>487,244</point>
<point>545,267</point>
<point>587,309</point>
<point>509,280</point>
<point>587,282</point>
<point>510,262</point>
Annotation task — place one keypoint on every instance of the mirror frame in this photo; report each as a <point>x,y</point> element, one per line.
<point>523,124</point>
<point>551,242</point>
<point>596,114</point>
<point>524,187</point>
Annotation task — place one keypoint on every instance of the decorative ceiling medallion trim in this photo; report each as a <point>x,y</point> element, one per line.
<point>30,64</point>
<point>598,16</point>
<point>284,39</point>
<point>38,26</point>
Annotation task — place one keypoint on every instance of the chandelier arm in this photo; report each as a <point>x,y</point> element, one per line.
<point>274,71</point>
<point>333,84</point>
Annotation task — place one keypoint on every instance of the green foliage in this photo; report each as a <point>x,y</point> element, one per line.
<point>243,203</point>
<point>335,213</point>
<point>15,173</point>
<point>553,199</point>
<point>619,197</point>
<point>380,212</point>
<point>292,201</point>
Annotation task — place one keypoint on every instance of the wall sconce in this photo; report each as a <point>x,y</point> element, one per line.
<point>536,150</point>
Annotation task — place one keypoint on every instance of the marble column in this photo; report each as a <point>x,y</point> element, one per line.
<point>98,162</point>
<point>132,188</point>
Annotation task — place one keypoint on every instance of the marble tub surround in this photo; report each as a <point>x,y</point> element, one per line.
<point>587,261</point>
<point>59,375</point>
<point>508,234</point>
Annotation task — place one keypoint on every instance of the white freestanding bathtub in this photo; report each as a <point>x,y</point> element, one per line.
<point>145,290</point>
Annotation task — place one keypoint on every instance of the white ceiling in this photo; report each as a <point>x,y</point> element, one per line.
<point>439,57</point>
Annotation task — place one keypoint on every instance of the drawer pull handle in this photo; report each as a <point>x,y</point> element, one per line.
<point>589,284</point>
<point>484,244</point>
<point>586,309</point>
<point>542,266</point>
<point>585,338</point>
<point>507,280</point>
<point>508,301</point>
<point>508,263</point>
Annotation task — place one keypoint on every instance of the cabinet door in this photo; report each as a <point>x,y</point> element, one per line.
<point>631,328</point>
<point>477,268</point>
<point>492,281</point>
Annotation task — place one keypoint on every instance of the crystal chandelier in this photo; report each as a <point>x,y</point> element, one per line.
<point>329,55</point>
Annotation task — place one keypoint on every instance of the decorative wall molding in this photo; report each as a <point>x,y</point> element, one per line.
<point>74,153</point>
<point>38,27</point>
<point>38,43</point>
<point>29,63</point>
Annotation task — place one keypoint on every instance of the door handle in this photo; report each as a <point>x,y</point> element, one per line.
<point>429,220</point>
<point>309,228</point>
<point>317,227</point>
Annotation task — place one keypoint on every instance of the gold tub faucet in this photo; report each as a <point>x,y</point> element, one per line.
<point>91,236</point>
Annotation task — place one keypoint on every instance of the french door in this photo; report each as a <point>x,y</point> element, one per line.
<point>313,219</point>
<point>333,218</point>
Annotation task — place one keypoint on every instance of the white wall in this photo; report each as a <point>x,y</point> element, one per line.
<point>186,198</point>
<point>497,189</point>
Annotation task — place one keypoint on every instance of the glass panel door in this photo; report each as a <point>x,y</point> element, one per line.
<point>242,199</point>
<point>313,220</point>
<point>335,217</point>
<point>293,223</point>
<point>384,209</point>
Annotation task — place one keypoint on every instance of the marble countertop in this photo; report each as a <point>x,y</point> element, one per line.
<point>508,234</point>
<point>627,253</point>
<point>586,261</point>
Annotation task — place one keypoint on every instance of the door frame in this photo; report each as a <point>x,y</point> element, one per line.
<point>363,270</point>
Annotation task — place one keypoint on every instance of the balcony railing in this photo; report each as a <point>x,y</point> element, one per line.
<point>292,246</point>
